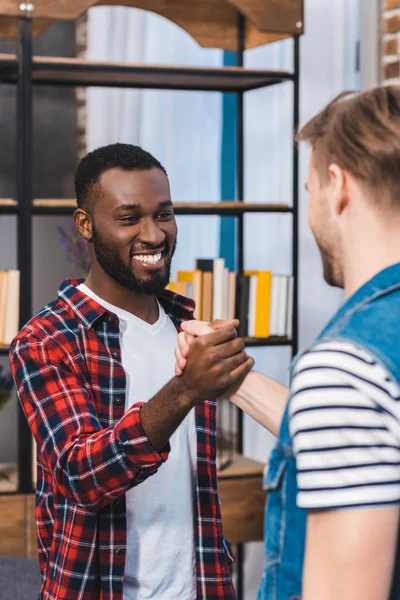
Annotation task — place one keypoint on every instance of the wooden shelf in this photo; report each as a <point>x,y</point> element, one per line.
<point>79,72</point>
<point>17,526</point>
<point>241,467</point>
<point>8,206</point>
<point>68,206</point>
<point>242,500</point>
<point>4,350</point>
<point>212,23</point>
<point>8,478</point>
<point>271,341</point>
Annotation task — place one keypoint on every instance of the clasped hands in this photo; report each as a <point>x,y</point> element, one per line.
<point>194,329</point>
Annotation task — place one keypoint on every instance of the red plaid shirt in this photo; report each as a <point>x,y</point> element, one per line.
<point>67,367</point>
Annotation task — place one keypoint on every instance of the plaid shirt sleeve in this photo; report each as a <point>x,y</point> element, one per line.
<point>91,465</point>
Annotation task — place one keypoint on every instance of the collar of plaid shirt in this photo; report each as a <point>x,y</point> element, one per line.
<point>71,385</point>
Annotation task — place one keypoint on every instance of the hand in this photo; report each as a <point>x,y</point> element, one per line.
<point>191,330</point>
<point>216,363</point>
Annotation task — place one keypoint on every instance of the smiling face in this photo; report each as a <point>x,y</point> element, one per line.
<point>134,229</point>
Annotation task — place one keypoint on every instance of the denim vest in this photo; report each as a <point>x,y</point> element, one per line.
<point>371,320</point>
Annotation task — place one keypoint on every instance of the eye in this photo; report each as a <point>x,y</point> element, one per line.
<point>129,219</point>
<point>164,216</point>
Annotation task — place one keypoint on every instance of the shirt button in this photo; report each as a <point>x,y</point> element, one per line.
<point>110,319</point>
<point>118,400</point>
<point>115,355</point>
<point>118,551</point>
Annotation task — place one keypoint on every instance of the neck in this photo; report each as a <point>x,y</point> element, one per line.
<point>373,246</point>
<point>142,306</point>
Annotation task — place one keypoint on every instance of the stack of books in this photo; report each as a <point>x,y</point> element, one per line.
<point>261,300</point>
<point>9,306</point>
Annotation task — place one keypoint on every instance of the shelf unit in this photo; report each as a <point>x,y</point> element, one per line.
<point>238,24</point>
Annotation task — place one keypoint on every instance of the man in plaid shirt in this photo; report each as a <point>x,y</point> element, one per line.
<point>94,373</point>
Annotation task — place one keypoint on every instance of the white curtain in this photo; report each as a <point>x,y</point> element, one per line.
<point>183,130</point>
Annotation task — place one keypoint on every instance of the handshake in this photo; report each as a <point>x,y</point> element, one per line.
<point>211,359</point>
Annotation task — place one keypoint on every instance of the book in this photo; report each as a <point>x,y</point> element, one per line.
<point>9,305</point>
<point>197,293</point>
<point>242,303</point>
<point>207,296</point>
<point>261,300</point>
<point>251,329</point>
<point>3,302</point>
<point>231,295</point>
<point>290,302</point>
<point>218,296</point>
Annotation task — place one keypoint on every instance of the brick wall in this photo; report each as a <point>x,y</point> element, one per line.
<point>391,41</point>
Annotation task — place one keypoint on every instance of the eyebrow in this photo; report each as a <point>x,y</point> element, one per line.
<point>139,207</point>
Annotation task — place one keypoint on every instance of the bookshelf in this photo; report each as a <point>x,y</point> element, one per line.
<point>227,24</point>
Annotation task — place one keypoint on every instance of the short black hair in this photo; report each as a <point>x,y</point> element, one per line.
<point>122,156</point>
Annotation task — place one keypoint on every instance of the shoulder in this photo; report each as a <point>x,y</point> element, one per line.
<point>339,382</point>
<point>343,363</point>
<point>54,326</point>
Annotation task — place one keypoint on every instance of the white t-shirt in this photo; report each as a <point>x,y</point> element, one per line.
<point>161,558</point>
<point>345,425</point>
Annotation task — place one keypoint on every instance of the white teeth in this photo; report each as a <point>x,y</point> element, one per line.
<point>150,259</point>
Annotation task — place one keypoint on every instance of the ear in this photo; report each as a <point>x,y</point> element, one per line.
<point>338,184</point>
<point>83,222</point>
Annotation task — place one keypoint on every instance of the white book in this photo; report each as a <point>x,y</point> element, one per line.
<point>275,301</point>
<point>283,298</point>
<point>3,302</point>
<point>232,296</point>
<point>252,305</point>
<point>290,301</point>
<point>11,327</point>
<point>218,288</point>
<point>226,293</point>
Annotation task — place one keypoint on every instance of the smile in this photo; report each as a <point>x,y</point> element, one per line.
<point>148,259</point>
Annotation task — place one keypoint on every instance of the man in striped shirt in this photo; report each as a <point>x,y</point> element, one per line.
<point>332,521</point>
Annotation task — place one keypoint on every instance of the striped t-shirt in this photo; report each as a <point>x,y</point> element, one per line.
<point>345,425</point>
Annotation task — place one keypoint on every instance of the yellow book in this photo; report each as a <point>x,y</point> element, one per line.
<point>178,287</point>
<point>171,286</point>
<point>186,276</point>
<point>263,302</point>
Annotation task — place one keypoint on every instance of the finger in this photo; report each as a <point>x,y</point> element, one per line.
<point>230,348</point>
<point>218,323</point>
<point>239,374</point>
<point>223,335</point>
<point>180,361</point>
<point>190,338</point>
<point>195,328</point>
<point>183,344</point>
<point>178,371</point>
<point>235,361</point>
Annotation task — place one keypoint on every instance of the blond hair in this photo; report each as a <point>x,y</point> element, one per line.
<point>360,132</point>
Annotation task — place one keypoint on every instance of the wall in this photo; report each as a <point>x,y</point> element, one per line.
<point>391,42</point>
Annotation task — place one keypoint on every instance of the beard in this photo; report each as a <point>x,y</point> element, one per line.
<point>330,262</point>
<point>114,266</point>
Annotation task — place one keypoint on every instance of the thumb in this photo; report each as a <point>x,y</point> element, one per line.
<point>196,328</point>
<point>219,323</point>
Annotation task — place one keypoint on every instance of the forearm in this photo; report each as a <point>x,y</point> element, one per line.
<point>263,399</point>
<point>163,414</point>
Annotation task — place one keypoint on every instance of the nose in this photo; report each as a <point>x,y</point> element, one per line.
<point>151,233</point>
